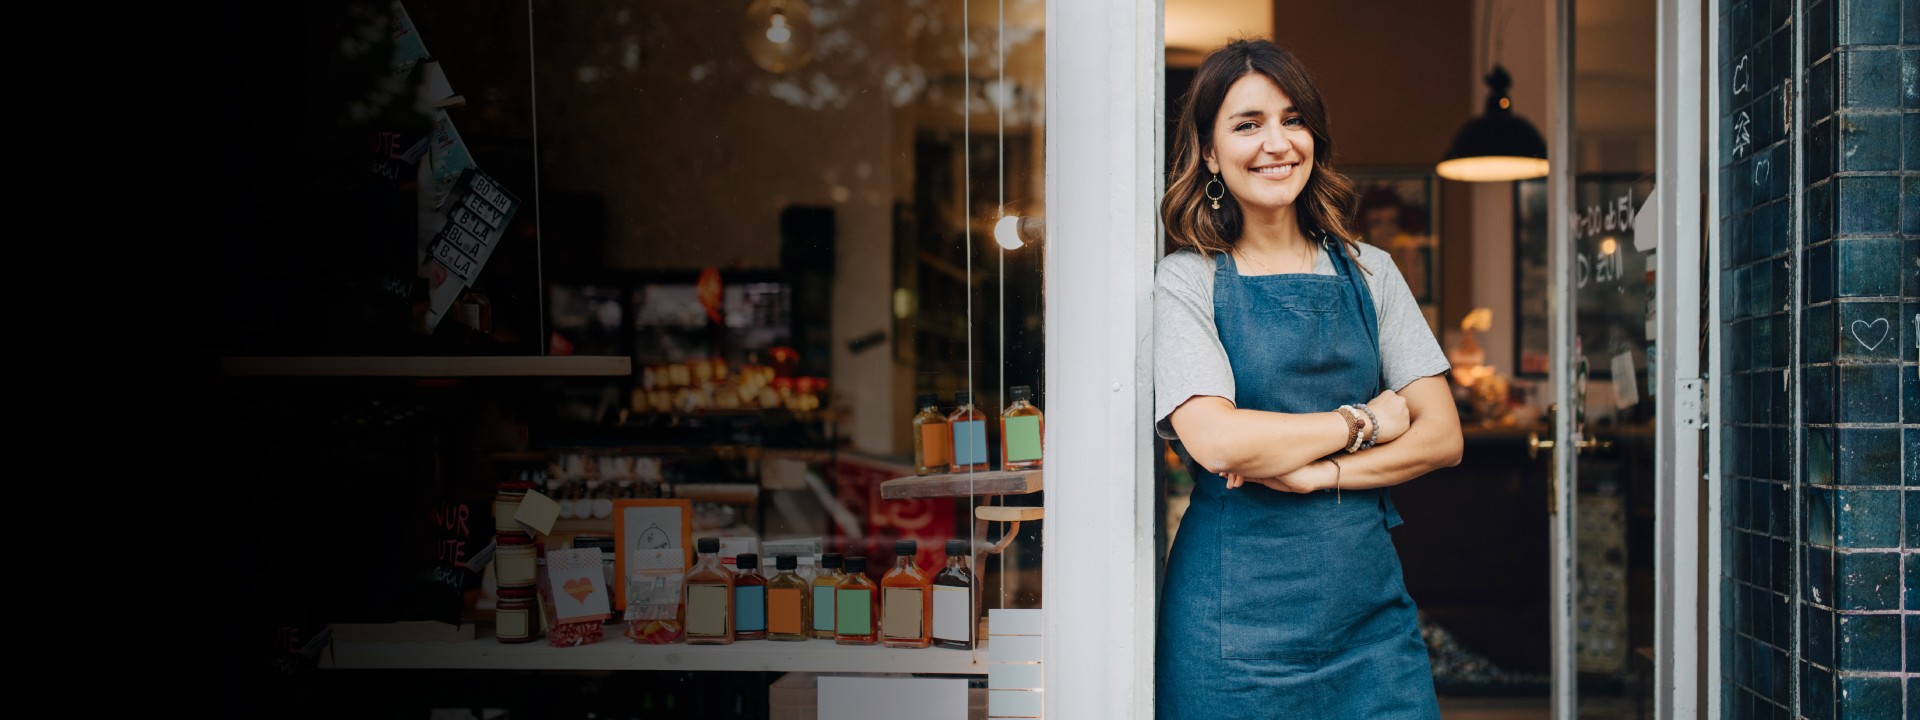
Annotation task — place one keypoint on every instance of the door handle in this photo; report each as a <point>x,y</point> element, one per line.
<point>1534,444</point>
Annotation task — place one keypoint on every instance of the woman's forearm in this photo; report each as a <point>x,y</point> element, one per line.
<point>1227,440</point>
<point>1431,443</point>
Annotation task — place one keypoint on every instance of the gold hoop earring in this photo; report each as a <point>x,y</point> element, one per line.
<point>1209,190</point>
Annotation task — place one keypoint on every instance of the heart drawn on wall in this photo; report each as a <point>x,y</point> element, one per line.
<point>1878,337</point>
<point>579,588</point>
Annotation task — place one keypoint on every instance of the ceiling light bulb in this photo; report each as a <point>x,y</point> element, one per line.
<point>778,34</point>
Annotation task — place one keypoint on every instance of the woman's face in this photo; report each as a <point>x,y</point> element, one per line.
<point>1261,146</point>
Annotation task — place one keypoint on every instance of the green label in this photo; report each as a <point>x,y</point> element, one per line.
<point>1023,438</point>
<point>855,612</point>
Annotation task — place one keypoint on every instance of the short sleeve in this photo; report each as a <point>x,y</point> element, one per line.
<point>1188,359</point>
<point>1408,350</point>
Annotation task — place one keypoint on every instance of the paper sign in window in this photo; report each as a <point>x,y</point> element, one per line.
<point>1023,438</point>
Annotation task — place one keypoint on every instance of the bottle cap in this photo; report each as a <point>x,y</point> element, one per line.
<point>830,560</point>
<point>956,548</point>
<point>926,400</point>
<point>905,547</point>
<point>785,562</point>
<point>962,397</point>
<point>1021,392</point>
<point>709,545</point>
<point>747,561</point>
<point>856,565</point>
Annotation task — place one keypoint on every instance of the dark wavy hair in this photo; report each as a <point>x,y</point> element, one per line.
<point>1321,208</point>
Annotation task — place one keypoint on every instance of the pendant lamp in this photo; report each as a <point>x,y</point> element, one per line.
<point>1498,145</point>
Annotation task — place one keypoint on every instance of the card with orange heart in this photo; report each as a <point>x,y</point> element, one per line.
<point>577,585</point>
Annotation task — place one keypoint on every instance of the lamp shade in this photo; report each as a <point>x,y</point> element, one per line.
<point>1498,145</point>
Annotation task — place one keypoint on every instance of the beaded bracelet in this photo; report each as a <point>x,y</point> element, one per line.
<point>1375,434</point>
<point>1354,426</point>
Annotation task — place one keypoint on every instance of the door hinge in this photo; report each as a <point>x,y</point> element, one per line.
<point>1689,403</point>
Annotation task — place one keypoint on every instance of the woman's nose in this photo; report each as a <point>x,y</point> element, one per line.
<point>1276,141</point>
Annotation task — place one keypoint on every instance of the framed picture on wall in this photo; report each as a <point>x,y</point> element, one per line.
<point>1399,212</point>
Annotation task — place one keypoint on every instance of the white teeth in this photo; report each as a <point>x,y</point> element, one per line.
<point>1274,170</point>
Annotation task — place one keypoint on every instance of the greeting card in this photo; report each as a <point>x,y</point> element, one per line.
<point>577,584</point>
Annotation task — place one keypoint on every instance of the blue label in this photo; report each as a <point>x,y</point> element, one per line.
<point>750,608</point>
<point>969,442</point>
<point>823,607</point>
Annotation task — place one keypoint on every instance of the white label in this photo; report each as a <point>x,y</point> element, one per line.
<point>510,624</point>
<point>1013,676</point>
<point>951,608</point>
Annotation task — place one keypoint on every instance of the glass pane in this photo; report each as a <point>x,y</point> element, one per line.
<point>793,217</point>
<point>1612,103</point>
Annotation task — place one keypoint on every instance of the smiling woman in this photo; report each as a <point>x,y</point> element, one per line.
<point>1290,359</point>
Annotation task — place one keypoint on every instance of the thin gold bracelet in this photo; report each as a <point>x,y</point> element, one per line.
<point>1336,480</point>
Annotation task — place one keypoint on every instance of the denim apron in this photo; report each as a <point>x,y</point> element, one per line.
<point>1282,605</point>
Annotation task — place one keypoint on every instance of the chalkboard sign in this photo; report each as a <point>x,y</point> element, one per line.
<point>455,532</point>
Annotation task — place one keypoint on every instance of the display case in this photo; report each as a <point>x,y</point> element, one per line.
<point>603,257</point>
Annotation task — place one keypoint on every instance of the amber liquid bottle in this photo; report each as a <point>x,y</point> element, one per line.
<point>709,597</point>
<point>789,601</point>
<point>1022,430</point>
<point>906,601</point>
<point>969,435</point>
<point>749,599</point>
<point>953,600</point>
<point>856,605</point>
<point>823,585</point>
<point>932,439</point>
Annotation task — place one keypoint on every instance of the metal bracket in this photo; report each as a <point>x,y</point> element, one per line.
<point>1689,403</point>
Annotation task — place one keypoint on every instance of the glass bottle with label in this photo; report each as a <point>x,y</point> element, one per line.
<point>1022,429</point>
<point>969,435</point>
<point>906,600</point>
<point>749,599</point>
<point>953,600</point>
<point>789,601</point>
<point>823,585</point>
<point>709,597</point>
<point>856,605</point>
<point>932,439</point>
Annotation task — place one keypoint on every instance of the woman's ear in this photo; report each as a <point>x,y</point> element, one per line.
<point>1212,167</point>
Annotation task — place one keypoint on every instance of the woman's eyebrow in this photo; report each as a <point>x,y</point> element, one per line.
<point>1254,112</point>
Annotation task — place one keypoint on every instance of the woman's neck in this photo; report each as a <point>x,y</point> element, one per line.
<point>1275,234</point>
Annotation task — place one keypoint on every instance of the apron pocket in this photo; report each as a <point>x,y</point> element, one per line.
<point>1293,592</point>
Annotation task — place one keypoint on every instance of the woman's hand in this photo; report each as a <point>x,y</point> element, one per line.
<point>1313,477</point>
<point>1391,411</point>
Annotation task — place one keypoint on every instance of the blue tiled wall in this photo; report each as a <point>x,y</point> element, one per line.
<point>1756,155</point>
<point>1833,481</point>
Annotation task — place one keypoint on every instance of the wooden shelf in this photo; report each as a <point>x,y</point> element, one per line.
<point>999,482</point>
<point>616,652</point>
<point>1009,514</point>
<point>429,366</point>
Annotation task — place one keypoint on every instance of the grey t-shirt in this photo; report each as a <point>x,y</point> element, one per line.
<point>1189,361</point>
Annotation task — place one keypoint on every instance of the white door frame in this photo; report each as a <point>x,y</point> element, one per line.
<point>1680,395</point>
<point>1104,80</point>
<point>1680,79</point>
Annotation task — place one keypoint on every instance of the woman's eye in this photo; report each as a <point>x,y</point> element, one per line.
<point>1243,127</point>
<point>1295,121</point>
